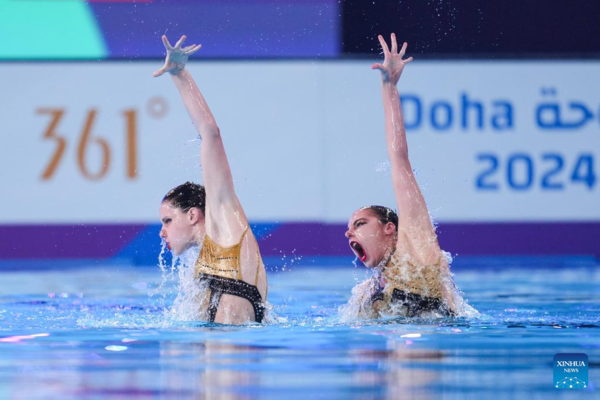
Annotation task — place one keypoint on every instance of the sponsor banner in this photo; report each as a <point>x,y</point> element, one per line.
<point>101,143</point>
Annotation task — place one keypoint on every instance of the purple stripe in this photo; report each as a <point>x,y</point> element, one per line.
<point>303,239</point>
<point>521,238</point>
<point>306,239</point>
<point>64,241</point>
<point>537,238</point>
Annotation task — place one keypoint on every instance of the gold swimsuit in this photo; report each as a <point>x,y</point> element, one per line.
<point>416,289</point>
<point>219,267</point>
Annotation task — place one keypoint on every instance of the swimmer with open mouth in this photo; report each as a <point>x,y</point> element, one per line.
<point>412,276</point>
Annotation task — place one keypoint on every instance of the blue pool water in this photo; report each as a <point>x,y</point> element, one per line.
<point>95,332</point>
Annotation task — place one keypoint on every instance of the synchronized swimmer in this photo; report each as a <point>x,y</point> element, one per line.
<point>229,266</point>
<point>411,273</point>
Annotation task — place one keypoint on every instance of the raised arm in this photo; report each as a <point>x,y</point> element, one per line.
<point>225,218</point>
<point>416,234</point>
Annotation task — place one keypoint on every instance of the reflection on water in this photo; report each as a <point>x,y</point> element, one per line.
<point>212,369</point>
<point>96,333</point>
<point>400,377</point>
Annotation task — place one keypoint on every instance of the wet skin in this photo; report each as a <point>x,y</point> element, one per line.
<point>180,230</point>
<point>370,240</point>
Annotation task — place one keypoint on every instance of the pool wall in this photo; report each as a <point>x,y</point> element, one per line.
<point>141,244</point>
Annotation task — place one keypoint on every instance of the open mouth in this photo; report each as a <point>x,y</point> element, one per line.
<point>359,251</point>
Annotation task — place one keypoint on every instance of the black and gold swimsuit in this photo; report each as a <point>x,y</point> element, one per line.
<point>402,288</point>
<point>219,268</point>
<point>415,289</point>
<point>415,304</point>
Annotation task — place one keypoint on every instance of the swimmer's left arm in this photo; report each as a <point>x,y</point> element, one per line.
<point>415,225</point>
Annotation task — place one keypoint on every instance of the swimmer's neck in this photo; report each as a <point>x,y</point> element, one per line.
<point>199,235</point>
<point>389,253</point>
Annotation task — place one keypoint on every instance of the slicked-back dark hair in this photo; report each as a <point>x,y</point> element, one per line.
<point>186,196</point>
<point>384,214</point>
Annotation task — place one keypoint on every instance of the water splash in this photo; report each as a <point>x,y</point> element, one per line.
<point>167,272</point>
<point>192,298</point>
<point>435,281</point>
<point>384,166</point>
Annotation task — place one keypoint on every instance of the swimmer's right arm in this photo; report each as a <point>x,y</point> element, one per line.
<point>416,234</point>
<point>221,199</point>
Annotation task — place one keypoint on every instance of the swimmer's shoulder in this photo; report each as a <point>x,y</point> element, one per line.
<point>420,250</point>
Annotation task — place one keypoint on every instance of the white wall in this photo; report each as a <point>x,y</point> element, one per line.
<point>305,139</point>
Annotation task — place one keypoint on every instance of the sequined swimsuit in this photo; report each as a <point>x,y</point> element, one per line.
<point>417,289</point>
<point>219,268</point>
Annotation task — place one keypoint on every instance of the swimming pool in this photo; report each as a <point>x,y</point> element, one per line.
<point>72,332</point>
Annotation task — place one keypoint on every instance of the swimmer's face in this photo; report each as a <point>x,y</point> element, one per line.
<point>368,238</point>
<point>179,229</point>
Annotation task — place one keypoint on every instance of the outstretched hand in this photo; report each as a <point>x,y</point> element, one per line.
<point>393,64</point>
<point>176,56</point>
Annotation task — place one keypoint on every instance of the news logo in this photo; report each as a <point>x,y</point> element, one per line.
<point>570,371</point>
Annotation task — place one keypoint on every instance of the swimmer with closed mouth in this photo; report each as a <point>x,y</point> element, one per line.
<point>211,216</point>
<point>411,273</point>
